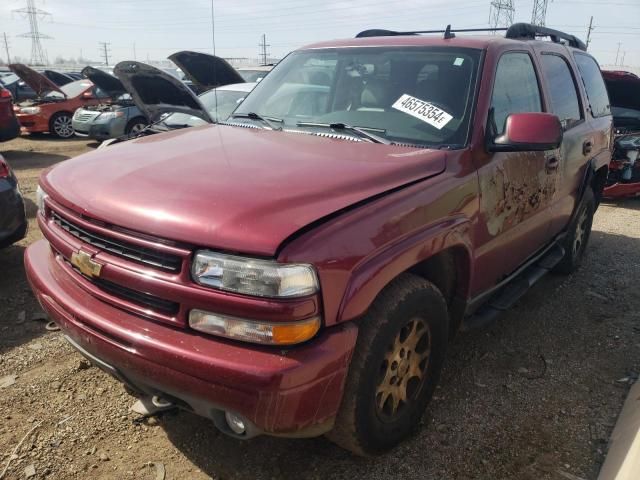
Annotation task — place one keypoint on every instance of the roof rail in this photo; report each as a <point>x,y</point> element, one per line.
<point>529,31</point>
<point>448,32</point>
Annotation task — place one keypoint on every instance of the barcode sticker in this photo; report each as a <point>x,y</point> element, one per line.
<point>425,111</point>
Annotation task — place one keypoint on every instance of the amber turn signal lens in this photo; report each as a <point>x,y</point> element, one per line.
<point>266,333</point>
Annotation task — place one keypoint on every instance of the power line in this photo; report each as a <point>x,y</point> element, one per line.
<point>104,51</point>
<point>38,54</point>
<point>263,49</point>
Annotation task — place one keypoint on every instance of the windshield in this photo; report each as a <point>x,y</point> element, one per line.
<point>72,89</point>
<point>417,95</point>
<point>227,101</point>
<point>625,102</point>
<point>252,75</point>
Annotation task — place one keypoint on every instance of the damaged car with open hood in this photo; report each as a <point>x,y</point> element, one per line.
<point>53,107</point>
<point>301,268</point>
<point>169,103</point>
<point>624,171</point>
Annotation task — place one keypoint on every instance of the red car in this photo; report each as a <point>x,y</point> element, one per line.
<point>624,171</point>
<point>9,126</point>
<point>52,109</point>
<point>300,268</point>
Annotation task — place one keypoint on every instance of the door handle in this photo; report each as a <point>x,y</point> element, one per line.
<point>586,147</point>
<point>552,164</point>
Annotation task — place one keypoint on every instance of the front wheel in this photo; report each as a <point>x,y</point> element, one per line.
<point>60,125</point>
<point>575,243</point>
<point>135,126</point>
<point>401,346</point>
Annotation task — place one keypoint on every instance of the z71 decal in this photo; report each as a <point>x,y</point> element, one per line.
<point>425,111</point>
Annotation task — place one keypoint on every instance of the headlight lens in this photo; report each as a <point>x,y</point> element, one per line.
<point>261,278</point>
<point>30,110</point>
<point>40,197</point>
<point>266,333</point>
<point>110,115</point>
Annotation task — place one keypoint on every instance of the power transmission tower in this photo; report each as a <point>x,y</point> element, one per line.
<point>263,49</point>
<point>6,47</point>
<point>539,13</point>
<point>38,55</point>
<point>104,51</point>
<point>591,27</point>
<point>618,52</point>
<point>501,13</point>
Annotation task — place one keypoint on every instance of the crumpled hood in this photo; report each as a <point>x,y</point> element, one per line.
<point>231,188</point>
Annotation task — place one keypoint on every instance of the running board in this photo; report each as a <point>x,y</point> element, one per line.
<point>515,289</point>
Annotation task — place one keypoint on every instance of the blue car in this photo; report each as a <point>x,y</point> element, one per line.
<point>13,220</point>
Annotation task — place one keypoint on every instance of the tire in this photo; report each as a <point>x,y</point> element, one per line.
<point>409,316</point>
<point>60,125</point>
<point>575,243</point>
<point>135,125</point>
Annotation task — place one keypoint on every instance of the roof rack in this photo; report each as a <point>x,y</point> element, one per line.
<point>517,31</point>
<point>448,32</point>
<point>529,31</point>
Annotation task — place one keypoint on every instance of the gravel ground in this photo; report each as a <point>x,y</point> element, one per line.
<point>533,396</point>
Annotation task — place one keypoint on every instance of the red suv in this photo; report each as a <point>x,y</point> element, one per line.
<point>299,269</point>
<point>9,126</point>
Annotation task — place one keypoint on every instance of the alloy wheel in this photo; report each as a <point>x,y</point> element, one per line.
<point>62,126</point>
<point>581,232</point>
<point>403,369</point>
<point>137,128</point>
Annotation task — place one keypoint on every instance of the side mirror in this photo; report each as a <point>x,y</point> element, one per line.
<point>524,132</point>
<point>88,96</point>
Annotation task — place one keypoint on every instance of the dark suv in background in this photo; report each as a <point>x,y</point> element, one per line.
<point>300,269</point>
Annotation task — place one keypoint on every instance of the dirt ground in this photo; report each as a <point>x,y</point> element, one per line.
<point>533,396</point>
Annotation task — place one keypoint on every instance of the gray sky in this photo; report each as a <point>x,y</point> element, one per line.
<point>161,27</point>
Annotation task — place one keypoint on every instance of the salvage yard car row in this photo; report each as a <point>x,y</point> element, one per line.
<point>300,267</point>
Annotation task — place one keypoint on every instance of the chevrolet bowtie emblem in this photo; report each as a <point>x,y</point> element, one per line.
<point>87,266</point>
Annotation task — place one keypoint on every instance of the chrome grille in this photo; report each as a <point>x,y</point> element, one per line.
<point>84,115</point>
<point>139,254</point>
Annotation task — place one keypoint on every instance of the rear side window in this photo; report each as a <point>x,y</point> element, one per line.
<point>562,90</point>
<point>515,89</point>
<point>594,84</point>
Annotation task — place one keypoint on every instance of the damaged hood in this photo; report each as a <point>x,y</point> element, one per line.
<point>106,82</point>
<point>37,81</point>
<point>206,71</point>
<point>624,95</point>
<point>156,92</point>
<point>231,188</point>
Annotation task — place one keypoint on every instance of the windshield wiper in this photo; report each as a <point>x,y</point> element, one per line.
<point>266,120</point>
<point>359,131</point>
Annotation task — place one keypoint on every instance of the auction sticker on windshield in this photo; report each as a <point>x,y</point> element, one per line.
<point>425,111</point>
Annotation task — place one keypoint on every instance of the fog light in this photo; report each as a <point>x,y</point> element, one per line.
<point>235,423</point>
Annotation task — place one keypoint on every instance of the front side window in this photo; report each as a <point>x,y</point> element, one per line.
<point>593,84</point>
<point>562,90</point>
<point>515,89</point>
<point>416,95</point>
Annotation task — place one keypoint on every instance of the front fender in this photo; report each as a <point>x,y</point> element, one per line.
<point>380,268</point>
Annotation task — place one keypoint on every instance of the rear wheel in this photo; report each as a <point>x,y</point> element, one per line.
<point>396,365</point>
<point>60,125</point>
<point>135,126</point>
<point>578,235</point>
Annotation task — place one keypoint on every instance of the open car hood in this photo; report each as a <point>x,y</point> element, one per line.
<point>105,82</point>
<point>206,71</point>
<point>37,81</point>
<point>156,92</point>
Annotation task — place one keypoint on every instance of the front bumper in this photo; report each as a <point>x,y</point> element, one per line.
<point>294,392</point>
<point>13,221</point>
<point>32,123</point>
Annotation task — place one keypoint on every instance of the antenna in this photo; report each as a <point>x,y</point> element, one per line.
<point>38,55</point>
<point>501,13</point>
<point>263,49</point>
<point>539,13</point>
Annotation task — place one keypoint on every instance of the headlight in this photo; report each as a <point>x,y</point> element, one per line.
<point>267,333</point>
<point>40,197</point>
<point>261,278</point>
<point>30,110</point>
<point>111,115</point>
